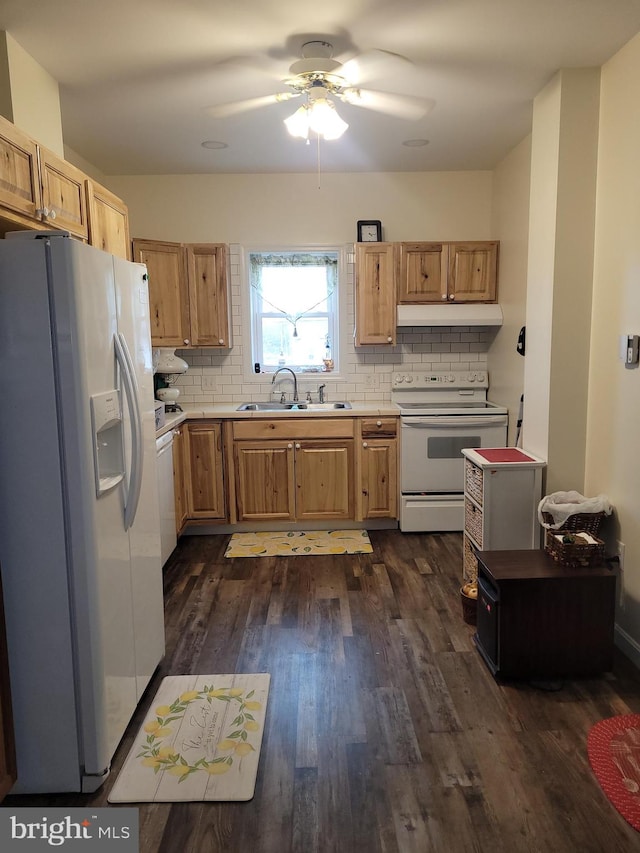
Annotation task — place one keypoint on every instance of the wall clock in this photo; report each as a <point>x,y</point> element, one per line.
<point>369,231</point>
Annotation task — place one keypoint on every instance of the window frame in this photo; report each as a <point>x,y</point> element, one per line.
<point>335,313</point>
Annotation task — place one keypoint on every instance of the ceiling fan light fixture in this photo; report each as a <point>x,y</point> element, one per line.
<point>298,123</point>
<point>324,119</point>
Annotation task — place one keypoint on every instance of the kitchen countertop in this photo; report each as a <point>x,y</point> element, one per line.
<point>193,411</point>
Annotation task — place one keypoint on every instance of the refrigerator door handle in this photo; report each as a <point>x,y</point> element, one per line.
<point>129,382</point>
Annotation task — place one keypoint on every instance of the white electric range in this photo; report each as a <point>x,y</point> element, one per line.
<point>440,413</point>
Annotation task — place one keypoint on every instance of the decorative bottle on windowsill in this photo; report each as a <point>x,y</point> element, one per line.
<point>327,360</point>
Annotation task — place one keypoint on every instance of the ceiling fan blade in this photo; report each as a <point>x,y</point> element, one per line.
<point>374,65</point>
<point>235,107</point>
<point>401,106</point>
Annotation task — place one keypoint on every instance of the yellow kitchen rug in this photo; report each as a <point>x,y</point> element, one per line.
<point>200,741</point>
<point>296,543</point>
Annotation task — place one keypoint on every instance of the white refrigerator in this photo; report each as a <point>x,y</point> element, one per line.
<point>79,518</point>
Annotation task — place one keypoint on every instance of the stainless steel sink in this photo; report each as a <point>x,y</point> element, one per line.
<point>302,406</point>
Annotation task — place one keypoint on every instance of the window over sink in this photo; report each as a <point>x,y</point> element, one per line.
<point>294,308</point>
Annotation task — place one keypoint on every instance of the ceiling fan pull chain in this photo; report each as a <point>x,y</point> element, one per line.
<point>318,160</point>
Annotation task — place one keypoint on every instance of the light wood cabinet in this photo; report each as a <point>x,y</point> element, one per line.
<point>205,479</point>
<point>198,473</point>
<point>208,298</point>
<point>283,472</point>
<point>108,220</point>
<point>188,293</point>
<point>64,204</point>
<point>453,272</point>
<point>168,293</point>
<point>39,190</point>
<point>375,293</point>
<point>378,468</point>
<point>19,177</point>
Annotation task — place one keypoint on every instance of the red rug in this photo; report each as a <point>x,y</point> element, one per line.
<point>613,746</point>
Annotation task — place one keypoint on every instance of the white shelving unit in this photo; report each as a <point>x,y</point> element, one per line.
<point>503,487</point>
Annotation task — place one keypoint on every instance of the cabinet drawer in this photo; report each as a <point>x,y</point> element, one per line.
<point>294,428</point>
<point>379,426</point>
<point>473,478</point>
<point>473,521</point>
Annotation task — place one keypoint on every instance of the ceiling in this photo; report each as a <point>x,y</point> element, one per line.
<point>136,76</point>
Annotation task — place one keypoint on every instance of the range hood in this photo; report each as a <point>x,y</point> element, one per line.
<point>460,314</point>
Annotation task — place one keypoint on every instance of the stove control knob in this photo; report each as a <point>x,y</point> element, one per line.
<point>408,378</point>
<point>481,377</point>
<point>398,379</point>
<point>450,377</point>
<point>471,377</point>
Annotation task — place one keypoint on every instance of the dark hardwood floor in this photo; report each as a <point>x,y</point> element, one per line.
<point>385,731</point>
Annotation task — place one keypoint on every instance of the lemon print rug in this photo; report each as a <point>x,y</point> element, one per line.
<point>299,543</point>
<point>199,741</point>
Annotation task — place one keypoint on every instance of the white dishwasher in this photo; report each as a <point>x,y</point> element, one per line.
<point>168,537</point>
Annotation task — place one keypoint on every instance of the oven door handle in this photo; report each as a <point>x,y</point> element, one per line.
<point>462,421</point>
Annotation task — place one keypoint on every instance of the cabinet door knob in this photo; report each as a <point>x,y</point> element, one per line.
<point>444,296</point>
<point>364,444</point>
<point>452,296</point>
<point>186,340</point>
<point>297,446</point>
<point>378,423</point>
<point>221,341</point>
<point>389,339</point>
<point>52,214</point>
<point>289,446</point>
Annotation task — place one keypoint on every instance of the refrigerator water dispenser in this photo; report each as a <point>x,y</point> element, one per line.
<point>108,455</point>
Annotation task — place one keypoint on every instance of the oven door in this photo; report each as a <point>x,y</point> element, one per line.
<point>431,457</point>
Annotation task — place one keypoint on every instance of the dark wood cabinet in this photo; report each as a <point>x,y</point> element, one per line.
<point>537,618</point>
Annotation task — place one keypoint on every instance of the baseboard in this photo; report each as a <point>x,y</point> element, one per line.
<point>627,645</point>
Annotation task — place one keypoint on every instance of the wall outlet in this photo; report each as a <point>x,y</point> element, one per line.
<point>371,381</point>
<point>208,382</point>
<point>620,553</point>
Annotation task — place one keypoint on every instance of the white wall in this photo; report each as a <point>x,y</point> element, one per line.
<point>559,292</point>
<point>286,210</point>
<point>613,427</point>
<point>32,96</point>
<point>510,221</point>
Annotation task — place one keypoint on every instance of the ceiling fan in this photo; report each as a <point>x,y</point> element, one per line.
<point>317,75</point>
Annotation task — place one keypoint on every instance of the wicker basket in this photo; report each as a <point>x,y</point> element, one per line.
<point>574,554</point>
<point>469,607</point>
<point>588,522</point>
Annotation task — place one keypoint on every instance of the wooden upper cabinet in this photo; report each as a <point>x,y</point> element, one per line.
<point>188,293</point>
<point>375,293</point>
<point>168,291</point>
<point>473,271</point>
<point>448,272</point>
<point>423,272</point>
<point>208,303</point>
<point>108,221</point>
<point>19,177</point>
<point>64,204</point>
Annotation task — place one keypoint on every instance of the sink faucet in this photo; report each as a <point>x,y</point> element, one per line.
<point>321,393</point>
<point>295,381</point>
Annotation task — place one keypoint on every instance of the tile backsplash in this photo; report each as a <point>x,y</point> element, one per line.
<point>364,372</point>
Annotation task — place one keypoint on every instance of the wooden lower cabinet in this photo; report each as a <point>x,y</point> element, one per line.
<point>199,473</point>
<point>283,473</point>
<point>378,468</point>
